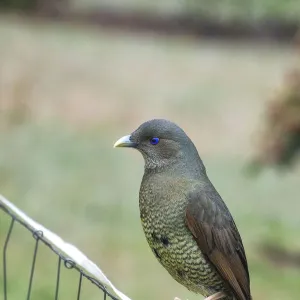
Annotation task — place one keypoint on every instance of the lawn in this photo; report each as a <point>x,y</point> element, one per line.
<point>68,92</point>
<point>230,10</point>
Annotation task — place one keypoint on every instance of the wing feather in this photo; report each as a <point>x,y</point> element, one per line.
<point>216,234</point>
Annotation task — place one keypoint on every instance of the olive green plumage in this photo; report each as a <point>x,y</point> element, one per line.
<point>185,221</point>
<point>170,240</point>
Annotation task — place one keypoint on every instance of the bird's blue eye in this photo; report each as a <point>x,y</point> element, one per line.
<point>154,140</point>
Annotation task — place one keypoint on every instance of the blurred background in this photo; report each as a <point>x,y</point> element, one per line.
<point>76,75</point>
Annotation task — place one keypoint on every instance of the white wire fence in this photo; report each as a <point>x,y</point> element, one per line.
<point>67,254</point>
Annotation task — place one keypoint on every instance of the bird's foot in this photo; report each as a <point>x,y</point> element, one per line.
<point>216,296</point>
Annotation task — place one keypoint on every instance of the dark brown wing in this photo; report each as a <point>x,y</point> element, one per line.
<point>216,234</point>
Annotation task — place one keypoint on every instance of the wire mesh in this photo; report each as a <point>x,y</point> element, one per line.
<point>68,263</point>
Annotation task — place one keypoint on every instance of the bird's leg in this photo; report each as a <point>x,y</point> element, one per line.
<point>216,296</point>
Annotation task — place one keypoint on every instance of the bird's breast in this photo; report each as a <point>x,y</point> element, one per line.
<point>163,220</point>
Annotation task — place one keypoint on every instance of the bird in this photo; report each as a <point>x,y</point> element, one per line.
<point>186,223</point>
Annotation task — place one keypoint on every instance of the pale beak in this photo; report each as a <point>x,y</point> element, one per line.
<point>125,142</point>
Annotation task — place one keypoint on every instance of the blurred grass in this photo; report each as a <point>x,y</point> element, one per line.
<point>229,10</point>
<point>232,10</point>
<point>82,90</point>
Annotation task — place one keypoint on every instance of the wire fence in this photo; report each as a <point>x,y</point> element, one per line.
<point>68,255</point>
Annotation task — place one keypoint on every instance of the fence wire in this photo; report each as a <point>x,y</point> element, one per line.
<point>68,263</point>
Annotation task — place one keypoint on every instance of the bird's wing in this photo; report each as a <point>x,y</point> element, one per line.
<point>216,234</point>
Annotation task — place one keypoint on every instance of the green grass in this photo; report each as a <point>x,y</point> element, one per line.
<point>255,10</point>
<point>85,88</point>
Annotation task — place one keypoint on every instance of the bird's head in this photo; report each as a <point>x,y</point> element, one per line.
<point>161,142</point>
